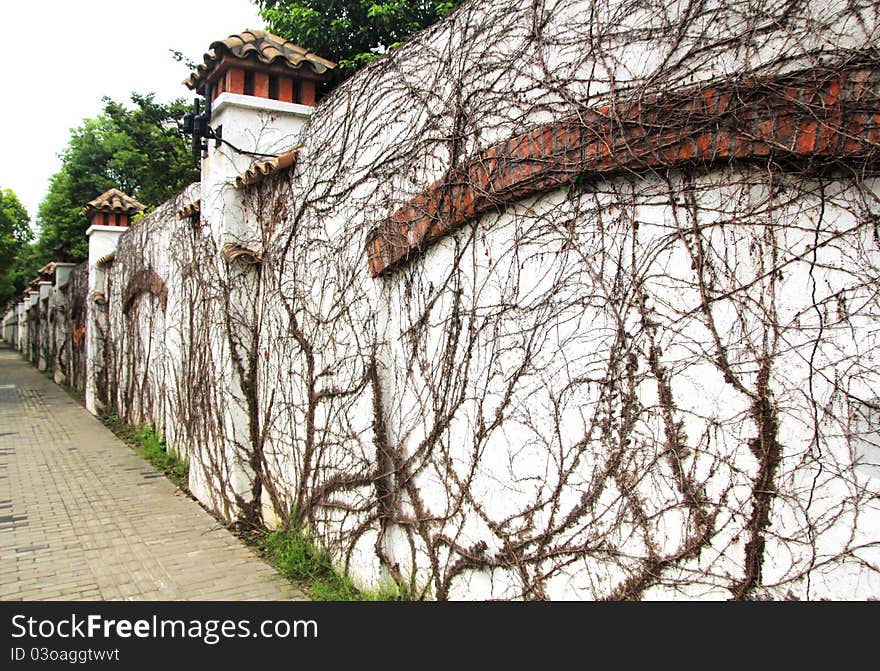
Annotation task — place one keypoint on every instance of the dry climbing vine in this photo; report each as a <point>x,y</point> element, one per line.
<point>625,384</point>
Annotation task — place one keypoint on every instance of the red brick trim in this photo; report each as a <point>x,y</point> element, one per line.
<point>235,80</point>
<point>818,117</point>
<point>307,93</point>
<point>285,89</point>
<point>261,84</point>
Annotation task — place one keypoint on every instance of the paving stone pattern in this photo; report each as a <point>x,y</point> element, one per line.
<point>82,517</point>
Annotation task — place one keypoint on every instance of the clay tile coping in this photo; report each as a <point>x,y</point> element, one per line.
<point>262,169</point>
<point>113,200</point>
<point>232,252</point>
<point>47,271</point>
<point>189,210</point>
<point>257,47</point>
<point>106,260</point>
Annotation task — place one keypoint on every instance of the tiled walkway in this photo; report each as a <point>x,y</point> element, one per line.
<point>83,517</point>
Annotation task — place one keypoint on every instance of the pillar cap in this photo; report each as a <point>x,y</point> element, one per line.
<point>96,228</point>
<point>47,271</point>
<point>257,49</point>
<point>113,200</point>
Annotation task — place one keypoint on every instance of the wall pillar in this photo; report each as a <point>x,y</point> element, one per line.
<point>21,329</point>
<point>45,318</point>
<point>58,308</point>
<point>31,323</point>
<point>10,325</point>
<point>102,241</point>
<point>258,125</point>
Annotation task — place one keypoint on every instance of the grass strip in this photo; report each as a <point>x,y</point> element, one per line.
<point>151,446</point>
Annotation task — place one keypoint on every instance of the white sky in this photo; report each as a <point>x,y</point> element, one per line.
<point>60,57</point>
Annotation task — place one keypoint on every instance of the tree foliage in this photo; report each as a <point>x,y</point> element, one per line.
<point>141,151</point>
<point>15,232</point>
<point>351,32</point>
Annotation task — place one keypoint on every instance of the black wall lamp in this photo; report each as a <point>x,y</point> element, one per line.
<point>197,124</point>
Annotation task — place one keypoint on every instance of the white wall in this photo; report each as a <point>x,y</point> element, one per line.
<point>543,318</point>
<point>561,399</point>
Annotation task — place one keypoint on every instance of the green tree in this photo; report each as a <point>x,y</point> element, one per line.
<point>351,32</point>
<point>27,261</point>
<point>141,151</point>
<point>15,232</point>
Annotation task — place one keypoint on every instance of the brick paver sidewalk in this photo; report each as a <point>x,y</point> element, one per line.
<point>83,517</point>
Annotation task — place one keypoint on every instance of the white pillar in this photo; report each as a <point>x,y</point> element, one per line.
<point>102,241</point>
<point>10,325</point>
<point>43,308</point>
<point>30,305</point>
<point>60,328</point>
<point>253,124</point>
<point>21,331</point>
<point>62,273</point>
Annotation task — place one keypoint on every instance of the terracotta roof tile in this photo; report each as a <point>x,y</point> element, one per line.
<point>262,169</point>
<point>189,210</point>
<point>232,252</point>
<point>259,46</point>
<point>47,271</point>
<point>106,260</point>
<point>115,201</point>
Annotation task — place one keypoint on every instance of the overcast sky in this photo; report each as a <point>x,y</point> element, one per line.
<point>60,57</point>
